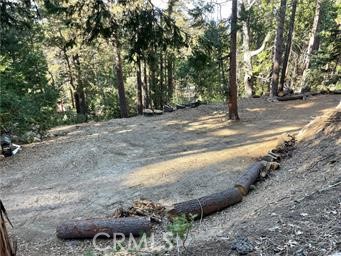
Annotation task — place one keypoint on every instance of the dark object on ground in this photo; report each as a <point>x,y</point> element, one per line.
<point>195,104</point>
<point>88,228</point>
<point>249,177</point>
<point>206,205</point>
<point>336,92</point>
<point>292,97</point>
<point>168,108</point>
<point>6,247</point>
<point>242,245</point>
<point>6,144</point>
<point>180,106</point>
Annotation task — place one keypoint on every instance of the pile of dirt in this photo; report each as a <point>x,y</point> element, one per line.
<point>298,210</point>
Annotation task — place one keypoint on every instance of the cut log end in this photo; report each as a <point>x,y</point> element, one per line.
<point>249,177</point>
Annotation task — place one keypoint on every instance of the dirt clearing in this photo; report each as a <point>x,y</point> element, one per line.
<point>94,168</point>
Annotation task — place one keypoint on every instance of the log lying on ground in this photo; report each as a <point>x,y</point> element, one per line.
<point>249,177</point>
<point>180,106</point>
<point>88,228</point>
<point>291,97</point>
<point>206,205</point>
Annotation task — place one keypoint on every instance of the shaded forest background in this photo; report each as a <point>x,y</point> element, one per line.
<point>65,62</point>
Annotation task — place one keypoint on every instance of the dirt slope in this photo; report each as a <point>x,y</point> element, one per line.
<point>295,212</point>
<point>96,167</point>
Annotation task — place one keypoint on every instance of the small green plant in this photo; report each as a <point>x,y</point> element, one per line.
<point>180,227</point>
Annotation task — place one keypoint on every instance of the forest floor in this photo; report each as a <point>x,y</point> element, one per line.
<point>91,169</point>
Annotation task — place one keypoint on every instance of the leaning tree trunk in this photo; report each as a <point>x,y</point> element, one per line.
<point>288,46</point>
<point>139,87</point>
<point>278,49</point>
<point>232,100</point>
<point>313,42</point>
<point>6,247</point>
<point>120,80</point>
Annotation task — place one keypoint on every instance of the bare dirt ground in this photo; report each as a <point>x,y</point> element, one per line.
<point>91,169</point>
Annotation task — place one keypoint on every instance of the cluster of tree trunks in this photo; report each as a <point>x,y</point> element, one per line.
<point>89,228</point>
<point>6,247</point>
<point>206,205</point>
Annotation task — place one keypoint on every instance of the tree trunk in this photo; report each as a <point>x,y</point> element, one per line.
<point>288,46</point>
<point>313,41</point>
<point>278,49</point>
<point>170,85</point>
<point>77,229</point>
<point>146,86</point>
<point>170,59</point>
<point>247,60</point>
<point>232,100</point>
<point>6,246</point>
<point>139,87</point>
<point>81,104</point>
<point>314,37</point>
<point>206,205</point>
<point>120,80</point>
<point>161,80</point>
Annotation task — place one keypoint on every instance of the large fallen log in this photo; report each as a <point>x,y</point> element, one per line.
<point>291,97</point>
<point>7,248</point>
<point>88,228</point>
<point>206,205</point>
<point>249,177</point>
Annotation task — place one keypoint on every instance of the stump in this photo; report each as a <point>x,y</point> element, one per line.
<point>249,177</point>
<point>206,205</point>
<point>88,228</point>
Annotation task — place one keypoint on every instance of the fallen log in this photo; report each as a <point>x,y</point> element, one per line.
<point>291,97</point>
<point>88,228</point>
<point>249,177</point>
<point>148,112</point>
<point>180,106</point>
<point>206,205</point>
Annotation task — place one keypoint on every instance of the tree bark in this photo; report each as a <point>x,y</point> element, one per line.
<point>139,87</point>
<point>249,177</point>
<point>314,37</point>
<point>88,228</point>
<point>81,106</point>
<point>161,80</point>
<point>170,59</point>
<point>277,60</point>
<point>232,100</point>
<point>206,205</point>
<point>313,41</point>
<point>288,46</point>
<point>6,246</point>
<point>120,80</point>
<point>146,86</point>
